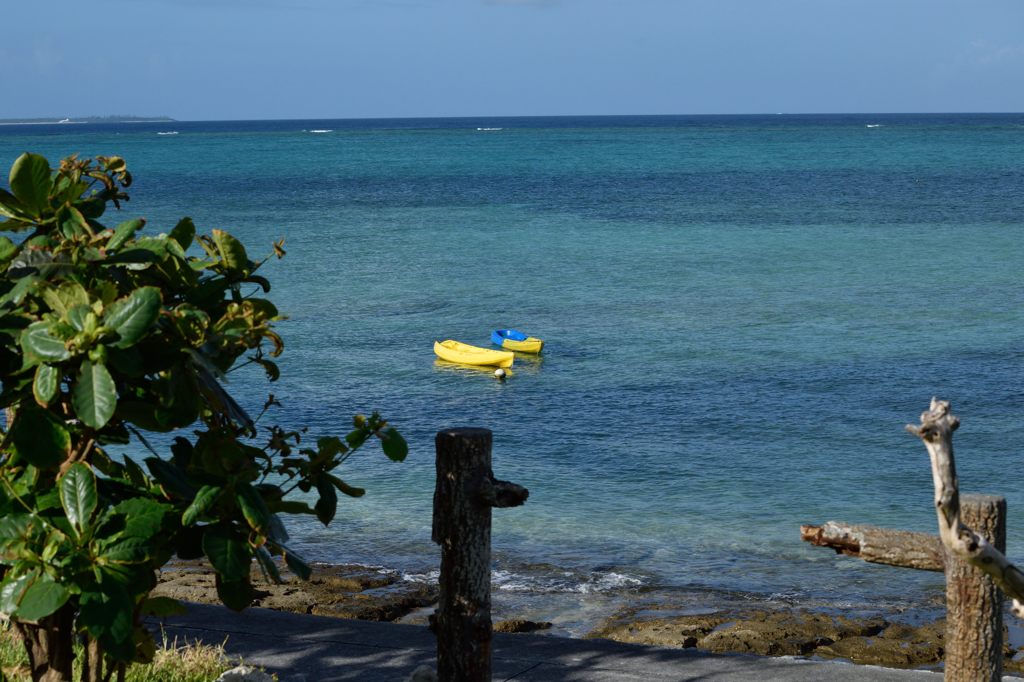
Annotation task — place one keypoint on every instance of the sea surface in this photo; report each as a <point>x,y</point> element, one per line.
<point>741,313</point>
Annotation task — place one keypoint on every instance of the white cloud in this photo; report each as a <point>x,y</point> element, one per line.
<point>45,57</point>
<point>522,3</point>
<point>985,53</point>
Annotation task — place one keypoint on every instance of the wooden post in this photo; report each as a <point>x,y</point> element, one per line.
<point>974,604</point>
<point>464,494</point>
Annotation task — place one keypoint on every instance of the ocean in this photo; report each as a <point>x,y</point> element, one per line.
<point>740,315</point>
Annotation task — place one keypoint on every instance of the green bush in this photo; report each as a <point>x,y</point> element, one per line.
<point>107,334</point>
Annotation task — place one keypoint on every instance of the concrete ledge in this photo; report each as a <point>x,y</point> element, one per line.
<point>316,649</point>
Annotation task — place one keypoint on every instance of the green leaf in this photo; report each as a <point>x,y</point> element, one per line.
<point>42,598</point>
<point>231,251</point>
<point>298,565</point>
<point>228,552</point>
<point>94,395</point>
<point>37,340</point>
<point>329,446</point>
<point>39,437</point>
<point>327,505</point>
<point>72,222</point>
<point>130,550</point>
<point>24,287</point>
<point>78,495</point>
<point>135,474</point>
<point>143,517</point>
<point>393,444</point>
<point>30,182</point>
<point>171,478</point>
<point>77,316</point>
<point>236,594</point>
<point>291,507</point>
<point>65,297</point>
<point>46,384</point>
<point>267,564</point>
<point>202,503</point>
<point>356,438</point>
<point>15,527</point>
<point>8,249</point>
<point>124,232</point>
<point>10,207</point>
<point>184,232</point>
<point>107,616</point>
<point>11,590</point>
<point>254,509</point>
<point>277,532</point>
<point>132,316</point>
<point>161,607</point>
<point>133,257</point>
<point>140,413</point>
<point>345,488</point>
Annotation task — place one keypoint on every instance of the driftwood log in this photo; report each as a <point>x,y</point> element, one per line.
<point>464,494</point>
<point>900,548</point>
<point>936,430</point>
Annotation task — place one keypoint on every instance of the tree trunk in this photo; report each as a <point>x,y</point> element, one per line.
<point>49,646</point>
<point>92,662</point>
<point>901,548</point>
<point>974,605</point>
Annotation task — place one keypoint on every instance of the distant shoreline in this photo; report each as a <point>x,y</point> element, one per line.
<point>86,119</point>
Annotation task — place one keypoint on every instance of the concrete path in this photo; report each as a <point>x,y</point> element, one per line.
<point>313,649</point>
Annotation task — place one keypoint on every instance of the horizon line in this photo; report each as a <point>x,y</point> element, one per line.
<point>163,118</point>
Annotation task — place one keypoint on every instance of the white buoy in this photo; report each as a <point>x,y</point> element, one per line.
<point>499,374</point>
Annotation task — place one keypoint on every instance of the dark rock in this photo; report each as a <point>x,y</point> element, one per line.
<point>516,625</point>
<point>899,645</point>
<point>671,631</point>
<point>883,651</point>
<point>342,591</point>
<point>383,604</point>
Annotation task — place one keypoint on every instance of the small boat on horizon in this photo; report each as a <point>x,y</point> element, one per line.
<point>513,339</point>
<point>465,354</point>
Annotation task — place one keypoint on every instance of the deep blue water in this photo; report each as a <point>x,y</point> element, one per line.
<point>741,313</point>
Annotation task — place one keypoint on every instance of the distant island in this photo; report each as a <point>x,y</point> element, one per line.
<point>89,119</point>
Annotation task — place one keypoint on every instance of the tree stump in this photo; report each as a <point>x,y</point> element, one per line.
<point>464,494</point>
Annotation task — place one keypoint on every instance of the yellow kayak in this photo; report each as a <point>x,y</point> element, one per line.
<point>463,353</point>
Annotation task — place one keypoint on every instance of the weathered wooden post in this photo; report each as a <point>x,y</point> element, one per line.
<point>974,605</point>
<point>464,494</point>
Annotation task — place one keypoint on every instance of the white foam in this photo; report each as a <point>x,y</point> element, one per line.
<point>560,582</point>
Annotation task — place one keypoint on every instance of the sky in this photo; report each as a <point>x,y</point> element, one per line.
<point>275,59</point>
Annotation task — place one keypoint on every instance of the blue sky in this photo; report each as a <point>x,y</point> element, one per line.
<point>251,59</point>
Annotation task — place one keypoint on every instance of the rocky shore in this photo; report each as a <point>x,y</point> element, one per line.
<point>358,592</point>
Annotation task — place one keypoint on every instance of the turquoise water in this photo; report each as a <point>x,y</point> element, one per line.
<point>741,313</point>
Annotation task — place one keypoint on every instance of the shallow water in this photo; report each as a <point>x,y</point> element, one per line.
<point>741,313</point>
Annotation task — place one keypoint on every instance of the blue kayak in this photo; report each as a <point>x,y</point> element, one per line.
<point>513,339</point>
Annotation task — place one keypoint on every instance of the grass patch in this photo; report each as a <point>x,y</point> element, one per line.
<point>172,663</point>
